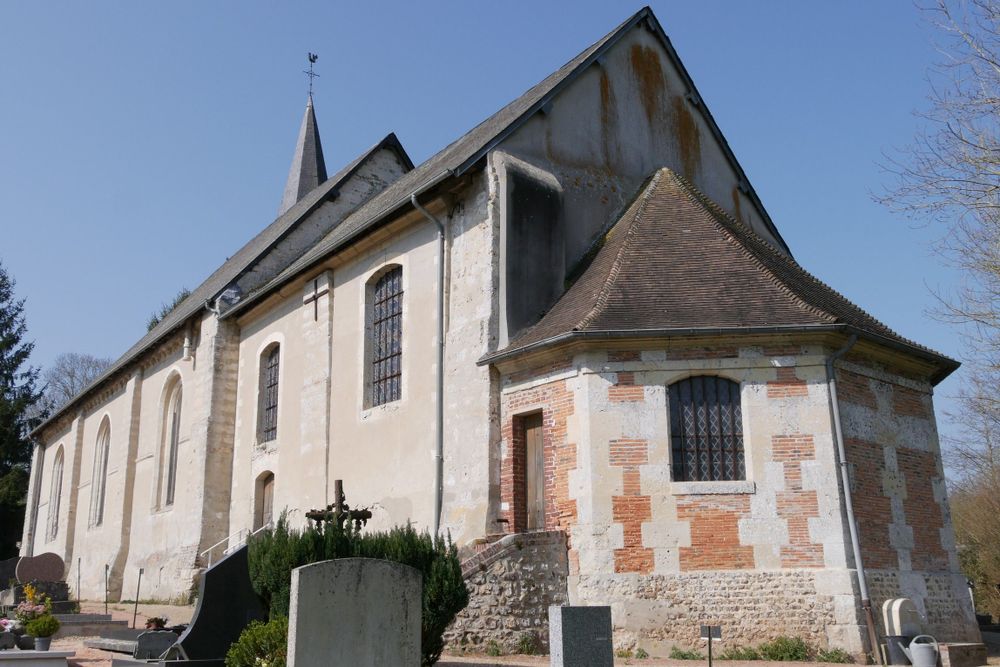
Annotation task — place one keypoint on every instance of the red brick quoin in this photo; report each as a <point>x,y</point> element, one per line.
<point>556,403</point>
<point>795,504</point>
<point>631,509</point>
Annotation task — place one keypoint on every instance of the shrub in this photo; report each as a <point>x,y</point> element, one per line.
<point>623,653</point>
<point>740,653</point>
<point>528,644</point>
<point>640,653</point>
<point>685,654</point>
<point>260,645</point>
<point>784,649</point>
<point>45,625</point>
<point>493,649</point>
<point>834,655</point>
<point>274,553</point>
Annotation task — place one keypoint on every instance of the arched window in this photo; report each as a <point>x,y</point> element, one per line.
<point>264,500</point>
<point>706,430</point>
<point>385,339</point>
<point>171,435</point>
<point>99,479</point>
<point>55,495</point>
<point>267,395</point>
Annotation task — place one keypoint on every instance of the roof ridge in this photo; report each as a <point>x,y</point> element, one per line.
<point>603,295</point>
<point>699,199</point>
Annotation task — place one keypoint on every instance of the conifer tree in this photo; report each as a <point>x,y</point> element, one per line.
<point>18,396</point>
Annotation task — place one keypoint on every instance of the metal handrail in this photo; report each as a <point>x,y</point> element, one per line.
<point>238,534</point>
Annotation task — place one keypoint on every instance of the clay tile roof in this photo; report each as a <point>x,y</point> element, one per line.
<point>676,261</point>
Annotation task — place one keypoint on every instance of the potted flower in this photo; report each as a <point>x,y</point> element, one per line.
<point>42,629</point>
<point>34,605</point>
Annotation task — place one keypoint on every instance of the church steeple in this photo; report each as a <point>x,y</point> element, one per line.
<point>308,168</point>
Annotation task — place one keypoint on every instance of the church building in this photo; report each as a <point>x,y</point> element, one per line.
<point>575,341</point>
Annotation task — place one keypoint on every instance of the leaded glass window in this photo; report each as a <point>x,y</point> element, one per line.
<point>706,430</point>
<point>267,415</point>
<point>387,338</point>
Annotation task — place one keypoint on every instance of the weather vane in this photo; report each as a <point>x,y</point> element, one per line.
<point>311,74</point>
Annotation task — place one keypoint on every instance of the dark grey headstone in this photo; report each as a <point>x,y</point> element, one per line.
<point>8,578</point>
<point>7,640</point>
<point>43,567</point>
<point>580,637</point>
<point>226,604</point>
<point>153,644</point>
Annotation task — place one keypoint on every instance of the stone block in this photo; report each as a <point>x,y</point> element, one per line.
<point>153,644</point>
<point>373,607</point>
<point>580,637</point>
<point>963,655</point>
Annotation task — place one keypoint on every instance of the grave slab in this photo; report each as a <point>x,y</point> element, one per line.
<point>43,567</point>
<point>35,658</point>
<point>580,637</point>
<point>355,612</point>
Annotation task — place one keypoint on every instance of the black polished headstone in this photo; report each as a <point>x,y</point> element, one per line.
<point>153,643</point>
<point>226,605</point>
<point>7,569</point>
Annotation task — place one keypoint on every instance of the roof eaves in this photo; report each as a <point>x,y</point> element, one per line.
<point>946,364</point>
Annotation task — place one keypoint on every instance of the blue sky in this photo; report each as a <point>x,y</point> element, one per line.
<point>143,143</point>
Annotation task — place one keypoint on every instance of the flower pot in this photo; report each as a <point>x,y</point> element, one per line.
<point>26,643</point>
<point>42,643</point>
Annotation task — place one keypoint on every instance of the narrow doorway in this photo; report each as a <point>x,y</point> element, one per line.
<point>535,474</point>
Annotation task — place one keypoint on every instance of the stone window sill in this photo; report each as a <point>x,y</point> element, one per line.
<point>738,487</point>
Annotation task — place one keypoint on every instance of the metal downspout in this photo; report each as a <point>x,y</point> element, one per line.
<point>866,603</point>
<point>439,426</point>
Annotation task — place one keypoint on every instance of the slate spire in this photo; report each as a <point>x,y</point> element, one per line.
<point>308,168</point>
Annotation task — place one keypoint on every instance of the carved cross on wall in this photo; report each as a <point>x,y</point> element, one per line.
<point>313,296</point>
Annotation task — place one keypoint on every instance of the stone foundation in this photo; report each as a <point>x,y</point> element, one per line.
<point>511,585</point>
<point>941,598</point>
<point>657,612</point>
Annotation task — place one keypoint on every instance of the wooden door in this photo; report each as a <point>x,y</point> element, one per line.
<point>535,477</point>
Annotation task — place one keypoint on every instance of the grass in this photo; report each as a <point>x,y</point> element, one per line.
<point>493,649</point>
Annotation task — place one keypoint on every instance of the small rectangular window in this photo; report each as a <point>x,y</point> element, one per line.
<point>706,430</point>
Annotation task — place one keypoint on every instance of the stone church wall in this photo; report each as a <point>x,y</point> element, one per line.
<point>900,495</point>
<point>657,549</point>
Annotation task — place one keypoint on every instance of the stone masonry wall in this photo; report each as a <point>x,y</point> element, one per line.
<point>765,555</point>
<point>511,584</point>
<point>900,498</point>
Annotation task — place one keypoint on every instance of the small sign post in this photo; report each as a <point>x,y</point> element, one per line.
<point>711,632</point>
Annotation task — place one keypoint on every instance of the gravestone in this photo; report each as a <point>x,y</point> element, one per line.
<point>7,641</point>
<point>153,643</point>
<point>44,567</point>
<point>355,612</point>
<point>8,578</point>
<point>226,605</point>
<point>580,637</point>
